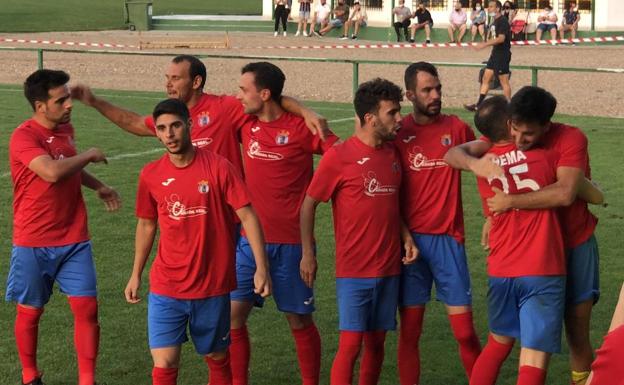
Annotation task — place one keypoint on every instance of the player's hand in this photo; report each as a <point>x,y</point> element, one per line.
<point>132,290</point>
<point>485,167</point>
<point>317,124</point>
<point>307,269</point>
<point>83,93</point>
<point>262,283</point>
<point>500,202</point>
<point>96,155</point>
<point>478,46</point>
<point>411,251</point>
<point>485,233</point>
<point>110,197</point>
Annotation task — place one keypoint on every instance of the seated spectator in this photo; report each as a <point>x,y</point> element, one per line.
<point>304,16</point>
<point>547,21</point>
<point>320,17</point>
<point>402,16</point>
<point>571,18</point>
<point>423,20</point>
<point>341,16</point>
<point>509,11</point>
<point>357,19</point>
<point>457,21</point>
<point>478,18</point>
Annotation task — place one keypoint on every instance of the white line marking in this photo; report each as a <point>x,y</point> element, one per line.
<point>341,120</point>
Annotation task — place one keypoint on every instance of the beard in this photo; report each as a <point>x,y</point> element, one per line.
<point>430,110</point>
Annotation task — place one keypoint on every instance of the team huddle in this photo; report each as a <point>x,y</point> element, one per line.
<point>234,200</point>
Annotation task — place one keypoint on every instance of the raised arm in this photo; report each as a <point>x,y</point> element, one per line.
<point>308,265</point>
<point>144,240</point>
<point>52,170</point>
<point>253,230</point>
<point>469,156</point>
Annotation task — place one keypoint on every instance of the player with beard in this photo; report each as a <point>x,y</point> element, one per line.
<point>432,208</point>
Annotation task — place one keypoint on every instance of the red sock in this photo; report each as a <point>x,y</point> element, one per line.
<point>370,365</point>
<point>308,343</point>
<point>409,353</point>
<point>240,352</point>
<point>530,375</point>
<point>86,336</point>
<point>485,370</point>
<point>164,376</point>
<point>26,333</point>
<point>469,345</point>
<point>220,371</point>
<point>348,350</point>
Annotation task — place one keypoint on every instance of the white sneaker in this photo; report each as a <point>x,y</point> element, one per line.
<point>275,34</point>
<point>284,33</point>
<point>298,33</point>
<point>305,34</point>
<point>344,37</point>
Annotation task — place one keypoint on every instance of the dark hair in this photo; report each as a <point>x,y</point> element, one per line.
<point>491,118</point>
<point>499,5</point>
<point>532,105</point>
<point>40,82</point>
<point>267,76</point>
<point>474,5</point>
<point>173,107</point>
<point>413,69</point>
<point>197,68</point>
<point>371,93</point>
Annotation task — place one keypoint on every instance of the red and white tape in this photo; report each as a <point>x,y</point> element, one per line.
<point>68,43</point>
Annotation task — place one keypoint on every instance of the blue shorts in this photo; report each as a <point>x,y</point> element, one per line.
<point>289,291</point>
<point>34,270</point>
<point>546,27</point>
<point>367,304</point>
<point>583,281</point>
<point>529,309</point>
<point>208,321</point>
<point>336,23</point>
<point>442,259</point>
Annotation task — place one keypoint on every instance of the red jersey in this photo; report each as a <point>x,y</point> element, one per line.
<point>278,168</point>
<point>524,242</point>
<point>607,367</point>
<point>193,206</point>
<point>363,183</point>
<point>45,214</point>
<point>431,191</point>
<point>216,122</point>
<point>571,144</point>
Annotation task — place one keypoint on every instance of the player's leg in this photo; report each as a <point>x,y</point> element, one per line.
<point>532,367</point>
<point>484,87</point>
<point>406,25</point>
<point>166,364</point>
<point>573,31</point>
<point>553,33</point>
<point>397,30</point>
<point>482,31</point>
<point>562,31</point>
<point>473,33</point>
<point>577,326</point>
<point>308,346</point>
<point>495,352</point>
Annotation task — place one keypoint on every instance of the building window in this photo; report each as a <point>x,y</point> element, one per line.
<point>433,5</point>
<point>584,6</point>
<point>369,4</point>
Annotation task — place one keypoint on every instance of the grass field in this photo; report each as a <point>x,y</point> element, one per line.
<point>79,15</point>
<point>124,358</point>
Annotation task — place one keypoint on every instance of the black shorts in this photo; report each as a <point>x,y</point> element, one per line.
<point>499,62</point>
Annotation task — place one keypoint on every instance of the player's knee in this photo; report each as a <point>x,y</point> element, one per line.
<point>84,308</point>
<point>218,356</point>
<point>299,321</point>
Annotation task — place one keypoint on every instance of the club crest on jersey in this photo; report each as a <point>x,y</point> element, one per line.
<point>203,119</point>
<point>446,140</point>
<point>282,137</point>
<point>203,187</point>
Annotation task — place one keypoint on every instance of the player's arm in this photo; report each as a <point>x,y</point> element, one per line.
<point>411,250</point>
<point>107,194</point>
<point>316,123</point>
<point>499,39</point>
<point>127,120</point>
<point>485,233</point>
<point>618,314</point>
<point>144,239</point>
<point>308,266</point>
<point>253,230</point>
<point>590,192</point>
<point>469,156</point>
<point>52,170</point>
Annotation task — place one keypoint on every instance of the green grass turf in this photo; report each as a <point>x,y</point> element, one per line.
<point>80,15</point>
<point>124,356</point>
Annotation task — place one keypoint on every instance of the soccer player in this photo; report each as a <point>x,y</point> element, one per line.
<point>50,235</point>
<point>277,154</point>
<point>362,177</point>
<point>216,119</point>
<point>189,194</point>
<point>500,57</point>
<point>531,111</point>
<point>432,207</point>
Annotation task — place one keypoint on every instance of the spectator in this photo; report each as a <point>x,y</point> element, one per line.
<point>457,21</point>
<point>571,18</point>
<point>402,16</point>
<point>423,20</point>
<point>547,21</point>
<point>281,14</point>
<point>320,17</point>
<point>288,8</point>
<point>304,16</point>
<point>478,18</point>
<point>509,11</point>
<point>341,15</point>
<point>357,19</point>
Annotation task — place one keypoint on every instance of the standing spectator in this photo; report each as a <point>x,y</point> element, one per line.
<point>288,8</point>
<point>457,22</point>
<point>547,21</point>
<point>402,16</point>
<point>358,19</point>
<point>341,15</point>
<point>571,18</point>
<point>304,16</point>
<point>281,14</point>
<point>478,19</point>
<point>509,11</point>
<point>320,17</point>
<point>423,20</point>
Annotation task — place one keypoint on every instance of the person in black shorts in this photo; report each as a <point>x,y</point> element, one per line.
<point>500,57</point>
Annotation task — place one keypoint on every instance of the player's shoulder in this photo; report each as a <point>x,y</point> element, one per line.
<point>155,167</point>
<point>561,132</point>
<point>27,130</point>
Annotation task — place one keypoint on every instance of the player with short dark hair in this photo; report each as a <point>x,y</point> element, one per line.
<point>362,177</point>
<point>189,194</point>
<point>50,235</point>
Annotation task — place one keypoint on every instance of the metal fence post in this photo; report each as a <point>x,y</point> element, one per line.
<point>534,77</point>
<point>40,58</point>
<point>356,76</point>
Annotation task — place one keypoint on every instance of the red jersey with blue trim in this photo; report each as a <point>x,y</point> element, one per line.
<point>193,206</point>
<point>278,167</point>
<point>45,214</point>
<point>363,183</point>
<point>431,191</point>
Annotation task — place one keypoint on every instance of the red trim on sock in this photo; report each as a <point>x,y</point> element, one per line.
<point>348,350</point>
<point>409,337</point>
<point>164,376</point>
<point>466,336</point>
<point>26,334</point>
<point>240,354</point>
<point>220,371</point>
<point>86,336</point>
<point>308,344</point>
<point>486,368</point>
<point>530,375</point>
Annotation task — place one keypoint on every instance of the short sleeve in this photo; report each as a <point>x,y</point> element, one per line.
<point>24,147</point>
<point>149,122</point>
<point>572,149</point>
<point>326,178</point>
<point>232,185</point>
<point>146,206</point>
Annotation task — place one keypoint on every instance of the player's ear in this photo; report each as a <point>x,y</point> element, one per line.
<point>197,81</point>
<point>40,106</point>
<point>265,94</point>
<point>409,95</point>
